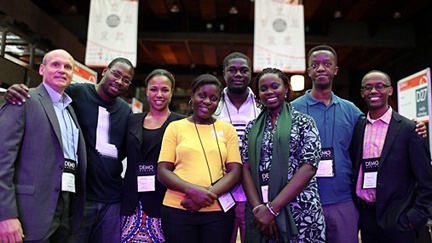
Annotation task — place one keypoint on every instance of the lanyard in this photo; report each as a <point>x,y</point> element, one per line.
<point>228,112</point>
<point>202,146</point>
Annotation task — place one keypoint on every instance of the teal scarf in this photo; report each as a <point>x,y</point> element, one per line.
<point>278,172</point>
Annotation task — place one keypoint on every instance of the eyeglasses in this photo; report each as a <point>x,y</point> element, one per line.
<point>125,80</point>
<point>378,87</point>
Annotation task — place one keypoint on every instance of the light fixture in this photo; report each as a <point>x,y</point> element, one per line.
<point>297,82</point>
<point>337,14</point>
<point>174,8</point>
<point>233,10</point>
<point>397,15</point>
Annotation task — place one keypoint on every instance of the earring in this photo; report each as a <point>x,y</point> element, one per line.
<point>285,95</point>
<point>190,104</point>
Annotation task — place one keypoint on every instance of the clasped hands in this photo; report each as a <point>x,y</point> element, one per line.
<point>197,198</point>
<point>265,222</point>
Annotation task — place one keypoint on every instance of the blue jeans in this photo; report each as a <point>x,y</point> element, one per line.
<point>101,223</point>
<point>181,226</point>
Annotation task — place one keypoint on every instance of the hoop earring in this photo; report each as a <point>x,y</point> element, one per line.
<point>190,104</point>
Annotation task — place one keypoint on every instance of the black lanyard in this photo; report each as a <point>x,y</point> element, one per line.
<point>202,146</point>
<point>228,112</point>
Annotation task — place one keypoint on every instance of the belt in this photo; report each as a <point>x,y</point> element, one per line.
<point>367,205</point>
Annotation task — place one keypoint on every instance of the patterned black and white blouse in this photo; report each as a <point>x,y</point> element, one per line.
<point>305,147</point>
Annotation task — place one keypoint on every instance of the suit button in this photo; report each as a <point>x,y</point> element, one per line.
<point>61,167</point>
<point>57,189</point>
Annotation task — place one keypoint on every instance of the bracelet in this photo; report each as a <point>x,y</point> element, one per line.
<point>253,210</point>
<point>271,209</point>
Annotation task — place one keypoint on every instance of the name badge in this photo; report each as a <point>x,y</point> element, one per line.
<point>370,172</point>
<point>326,164</point>
<point>68,176</point>
<point>146,177</point>
<point>264,181</point>
<point>226,201</point>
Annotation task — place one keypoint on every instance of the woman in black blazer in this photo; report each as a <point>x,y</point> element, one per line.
<point>142,192</point>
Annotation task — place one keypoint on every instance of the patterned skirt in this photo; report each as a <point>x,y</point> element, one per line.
<point>139,227</point>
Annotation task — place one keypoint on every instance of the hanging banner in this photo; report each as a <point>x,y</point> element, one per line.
<point>137,106</point>
<point>112,32</point>
<point>279,38</point>
<point>83,74</point>
<point>414,98</point>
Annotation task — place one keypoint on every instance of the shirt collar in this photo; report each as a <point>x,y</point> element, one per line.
<point>386,117</point>
<point>312,101</point>
<point>251,96</point>
<point>56,97</point>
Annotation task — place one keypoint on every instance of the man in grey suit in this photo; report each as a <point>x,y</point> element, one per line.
<point>42,160</point>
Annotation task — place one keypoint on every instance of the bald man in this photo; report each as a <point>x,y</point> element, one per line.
<point>42,160</point>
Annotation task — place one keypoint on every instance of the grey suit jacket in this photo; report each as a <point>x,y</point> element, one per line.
<point>32,162</point>
<point>404,183</point>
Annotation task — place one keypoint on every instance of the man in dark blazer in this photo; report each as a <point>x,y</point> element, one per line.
<point>393,169</point>
<point>42,160</point>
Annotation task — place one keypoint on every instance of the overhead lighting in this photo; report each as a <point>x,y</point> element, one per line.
<point>397,15</point>
<point>233,10</point>
<point>297,82</point>
<point>174,8</point>
<point>337,14</point>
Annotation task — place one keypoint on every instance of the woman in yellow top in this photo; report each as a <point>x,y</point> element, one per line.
<point>199,163</point>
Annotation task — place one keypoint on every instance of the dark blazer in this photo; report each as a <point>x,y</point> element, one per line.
<point>134,137</point>
<point>32,162</point>
<point>404,183</point>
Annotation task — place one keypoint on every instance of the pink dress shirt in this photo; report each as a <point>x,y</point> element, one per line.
<point>374,138</point>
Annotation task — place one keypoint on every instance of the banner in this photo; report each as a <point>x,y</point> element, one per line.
<point>414,98</point>
<point>279,38</point>
<point>112,32</point>
<point>83,74</point>
<point>137,106</point>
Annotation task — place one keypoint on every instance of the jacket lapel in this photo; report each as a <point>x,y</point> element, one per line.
<point>47,105</point>
<point>392,133</point>
<point>73,115</point>
<point>136,131</point>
